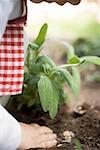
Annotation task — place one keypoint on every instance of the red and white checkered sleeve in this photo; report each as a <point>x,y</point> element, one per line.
<point>10,132</point>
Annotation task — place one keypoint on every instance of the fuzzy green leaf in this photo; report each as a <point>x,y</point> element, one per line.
<point>41,36</point>
<point>33,46</point>
<point>29,59</point>
<point>27,77</point>
<point>53,108</point>
<point>46,68</point>
<point>78,144</point>
<point>64,66</point>
<point>63,96</point>
<point>91,59</point>
<point>46,59</point>
<point>70,50</point>
<point>45,92</point>
<point>35,68</point>
<point>33,82</point>
<point>74,60</point>
<point>69,79</point>
<point>76,79</point>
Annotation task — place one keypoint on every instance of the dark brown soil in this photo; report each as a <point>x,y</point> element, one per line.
<point>86,126</point>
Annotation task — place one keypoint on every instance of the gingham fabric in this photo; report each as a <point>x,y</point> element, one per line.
<point>12,60</point>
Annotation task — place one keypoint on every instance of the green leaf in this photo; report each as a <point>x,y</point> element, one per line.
<point>27,77</point>
<point>63,96</point>
<point>41,36</point>
<point>78,144</point>
<point>69,79</point>
<point>33,82</point>
<point>35,68</point>
<point>53,108</point>
<point>76,79</point>
<point>63,67</point>
<point>29,58</point>
<point>25,68</point>
<point>74,60</point>
<point>33,46</point>
<point>91,59</point>
<point>46,59</point>
<point>45,92</point>
<point>70,50</point>
<point>58,79</point>
<point>46,69</point>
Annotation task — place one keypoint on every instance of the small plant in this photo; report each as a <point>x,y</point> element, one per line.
<point>44,81</point>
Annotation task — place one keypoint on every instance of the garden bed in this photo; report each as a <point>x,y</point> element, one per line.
<point>85,126</point>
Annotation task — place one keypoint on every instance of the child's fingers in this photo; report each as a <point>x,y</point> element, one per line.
<point>44,130</point>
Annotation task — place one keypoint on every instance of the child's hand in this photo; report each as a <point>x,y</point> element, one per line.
<point>35,136</point>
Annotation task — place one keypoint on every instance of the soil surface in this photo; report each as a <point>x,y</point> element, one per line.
<point>81,119</point>
<point>86,126</point>
<point>89,93</point>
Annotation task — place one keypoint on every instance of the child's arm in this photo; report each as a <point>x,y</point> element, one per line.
<point>10,132</point>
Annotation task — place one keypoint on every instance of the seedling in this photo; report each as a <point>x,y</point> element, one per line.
<point>44,80</point>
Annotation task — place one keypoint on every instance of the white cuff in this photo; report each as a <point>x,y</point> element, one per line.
<point>10,131</point>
